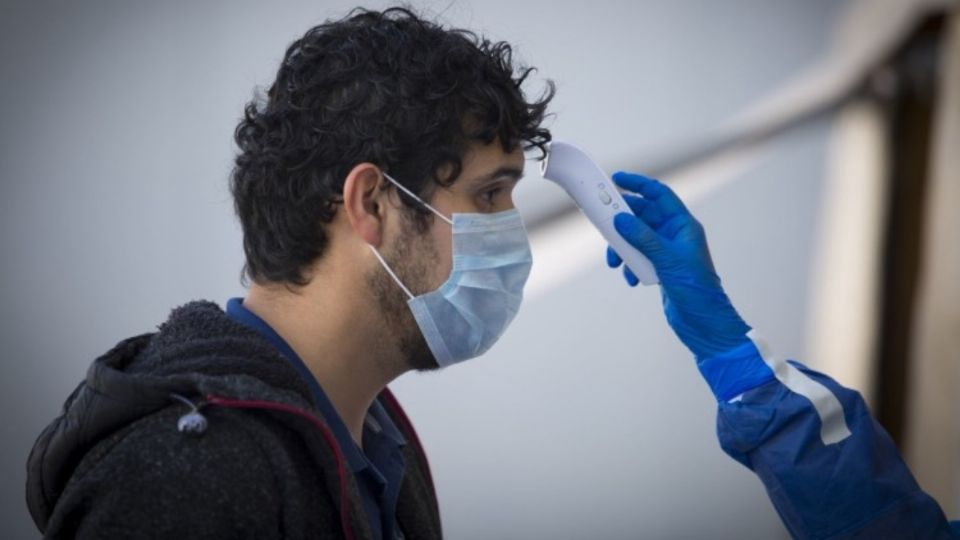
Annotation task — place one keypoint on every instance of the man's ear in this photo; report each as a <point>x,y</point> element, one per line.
<point>364,202</point>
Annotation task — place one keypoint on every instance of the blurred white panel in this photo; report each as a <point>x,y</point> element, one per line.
<point>845,269</point>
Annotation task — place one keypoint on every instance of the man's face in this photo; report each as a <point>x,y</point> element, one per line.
<point>423,261</point>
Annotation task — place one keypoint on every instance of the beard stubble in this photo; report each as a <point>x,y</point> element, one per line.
<point>411,257</point>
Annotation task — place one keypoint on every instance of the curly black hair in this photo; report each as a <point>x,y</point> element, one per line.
<point>389,88</point>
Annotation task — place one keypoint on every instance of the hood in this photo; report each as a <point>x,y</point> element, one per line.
<point>197,352</point>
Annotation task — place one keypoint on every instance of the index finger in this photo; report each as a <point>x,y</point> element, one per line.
<point>666,200</point>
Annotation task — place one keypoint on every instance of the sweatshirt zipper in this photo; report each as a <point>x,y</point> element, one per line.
<point>327,435</point>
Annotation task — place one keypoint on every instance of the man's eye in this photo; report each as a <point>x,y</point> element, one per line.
<point>491,194</point>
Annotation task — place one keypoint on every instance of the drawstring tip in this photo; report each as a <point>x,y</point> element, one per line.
<point>193,422</point>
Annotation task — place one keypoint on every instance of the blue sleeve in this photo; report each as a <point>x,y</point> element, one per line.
<point>854,487</point>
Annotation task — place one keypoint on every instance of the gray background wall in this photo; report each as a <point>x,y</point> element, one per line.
<point>589,418</point>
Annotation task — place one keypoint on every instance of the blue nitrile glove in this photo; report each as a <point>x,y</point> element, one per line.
<point>666,233</point>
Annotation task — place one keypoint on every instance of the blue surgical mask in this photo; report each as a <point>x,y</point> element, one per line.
<point>466,315</point>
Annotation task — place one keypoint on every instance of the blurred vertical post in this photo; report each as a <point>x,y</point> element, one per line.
<point>932,430</point>
<point>909,106</point>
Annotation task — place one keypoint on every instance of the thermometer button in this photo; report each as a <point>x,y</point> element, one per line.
<point>605,197</point>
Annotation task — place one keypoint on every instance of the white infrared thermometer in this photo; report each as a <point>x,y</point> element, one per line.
<point>598,198</point>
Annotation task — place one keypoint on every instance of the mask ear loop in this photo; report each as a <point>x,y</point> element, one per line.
<point>418,199</point>
<point>390,271</point>
<point>377,253</point>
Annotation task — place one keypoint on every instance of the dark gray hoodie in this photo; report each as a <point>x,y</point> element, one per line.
<point>203,430</point>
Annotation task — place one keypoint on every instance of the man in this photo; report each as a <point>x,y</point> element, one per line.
<point>374,190</point>
<point>273,419</point>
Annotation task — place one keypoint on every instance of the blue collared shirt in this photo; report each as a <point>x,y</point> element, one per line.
<point>379,466</point>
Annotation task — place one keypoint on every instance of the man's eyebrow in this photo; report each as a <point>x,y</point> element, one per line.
<point>512,173</point>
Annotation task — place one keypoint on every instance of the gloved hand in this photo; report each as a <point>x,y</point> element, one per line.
<point>666,233</point>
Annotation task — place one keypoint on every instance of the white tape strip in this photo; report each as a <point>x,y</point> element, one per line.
<point>833,425</point>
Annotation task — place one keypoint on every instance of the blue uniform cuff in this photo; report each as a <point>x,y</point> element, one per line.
<point>734,372</point>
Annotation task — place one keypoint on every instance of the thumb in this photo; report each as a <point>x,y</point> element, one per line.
<point>639,235</point>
